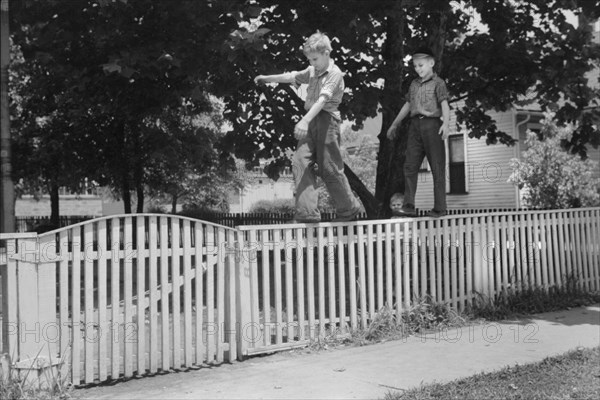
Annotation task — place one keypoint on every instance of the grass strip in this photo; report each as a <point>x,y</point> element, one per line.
<point>573,375</point>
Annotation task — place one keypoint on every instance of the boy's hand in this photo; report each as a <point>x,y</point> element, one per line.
<point>391,133</point>
<point>260,80</point>
<point>301,129</point>
<point>444,131</point>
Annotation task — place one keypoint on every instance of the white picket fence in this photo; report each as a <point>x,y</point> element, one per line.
<point>138,294</point>
<point>335,277</point>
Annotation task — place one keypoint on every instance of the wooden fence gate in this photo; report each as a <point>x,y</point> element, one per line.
<point>136,294</point>
<point>120,296</point>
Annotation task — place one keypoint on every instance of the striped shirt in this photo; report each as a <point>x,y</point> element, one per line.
<point>329,83</point>
<point>429,94</point>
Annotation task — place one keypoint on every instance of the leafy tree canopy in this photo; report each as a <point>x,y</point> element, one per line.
<point>104,68</point>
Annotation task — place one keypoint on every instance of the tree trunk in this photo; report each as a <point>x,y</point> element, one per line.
<point>123,164</point>
<point>126,194</point>
<point>139,187</point>
<point>440,10</point>
<point>140,198</point>
<point>138,172</point>
<point>390,177</point>
<point>54,206</point>
<point>368,200</point>
<point>174,199</point>
<point>7,199</point>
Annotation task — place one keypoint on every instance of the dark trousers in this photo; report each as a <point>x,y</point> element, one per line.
<point>321,145</point>
<point>425,141</point>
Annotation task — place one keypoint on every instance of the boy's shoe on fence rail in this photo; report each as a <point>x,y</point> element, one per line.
<point>351,217</point>
<point>407,211</point>
<point>436,213</point>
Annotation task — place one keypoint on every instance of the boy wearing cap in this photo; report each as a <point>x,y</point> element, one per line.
<point>426,103</point>
<point>318,133</point>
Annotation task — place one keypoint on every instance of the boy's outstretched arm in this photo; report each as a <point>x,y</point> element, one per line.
<point>287,77</point>
<point>301,128</point>
<point>391,133</point>
<point>445,128</point>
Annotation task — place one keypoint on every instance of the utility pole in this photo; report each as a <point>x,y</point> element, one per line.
<point>7,197</point>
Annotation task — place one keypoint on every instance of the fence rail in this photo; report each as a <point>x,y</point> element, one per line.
<point>137,294</point>
<point>242,219</point>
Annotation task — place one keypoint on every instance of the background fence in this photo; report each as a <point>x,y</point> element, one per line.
<point>137,294</point>
<point>42,224</point>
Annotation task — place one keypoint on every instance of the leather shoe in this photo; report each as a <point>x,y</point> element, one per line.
<point>407,211</point>
<point>436,213</point>
<point>351,217</point>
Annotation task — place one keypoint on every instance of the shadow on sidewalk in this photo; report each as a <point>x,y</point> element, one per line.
<point>584,315</point>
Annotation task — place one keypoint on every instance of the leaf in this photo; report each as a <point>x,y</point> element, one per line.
<point>254,11</point>
<point>127,72</point>
<point>43,57</point>
<point>111,67</point>
<point>262,31</point>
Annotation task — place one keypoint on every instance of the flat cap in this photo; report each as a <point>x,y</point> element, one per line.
<point>423,52</point>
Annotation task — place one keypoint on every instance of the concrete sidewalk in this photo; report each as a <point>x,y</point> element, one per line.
<point>371,371</point>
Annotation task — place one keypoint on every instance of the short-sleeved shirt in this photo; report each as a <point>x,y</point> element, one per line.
<point>429,94</point>
<point>330,83</point>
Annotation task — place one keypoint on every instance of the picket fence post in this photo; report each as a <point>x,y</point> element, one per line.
<point>8,278</point>
<point>29,294</point>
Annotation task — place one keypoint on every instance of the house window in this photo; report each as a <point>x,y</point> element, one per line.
<point>456,164</point>
<point>534,127</point>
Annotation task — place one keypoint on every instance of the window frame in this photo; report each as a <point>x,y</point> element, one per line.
<point>464,163</point>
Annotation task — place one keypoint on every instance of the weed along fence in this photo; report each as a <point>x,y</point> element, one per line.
<point>137,294</point>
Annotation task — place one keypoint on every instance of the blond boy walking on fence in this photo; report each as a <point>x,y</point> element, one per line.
<point>318,133</point>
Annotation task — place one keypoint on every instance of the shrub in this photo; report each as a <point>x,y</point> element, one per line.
<point>549,176</point>
<point>278,206</point>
